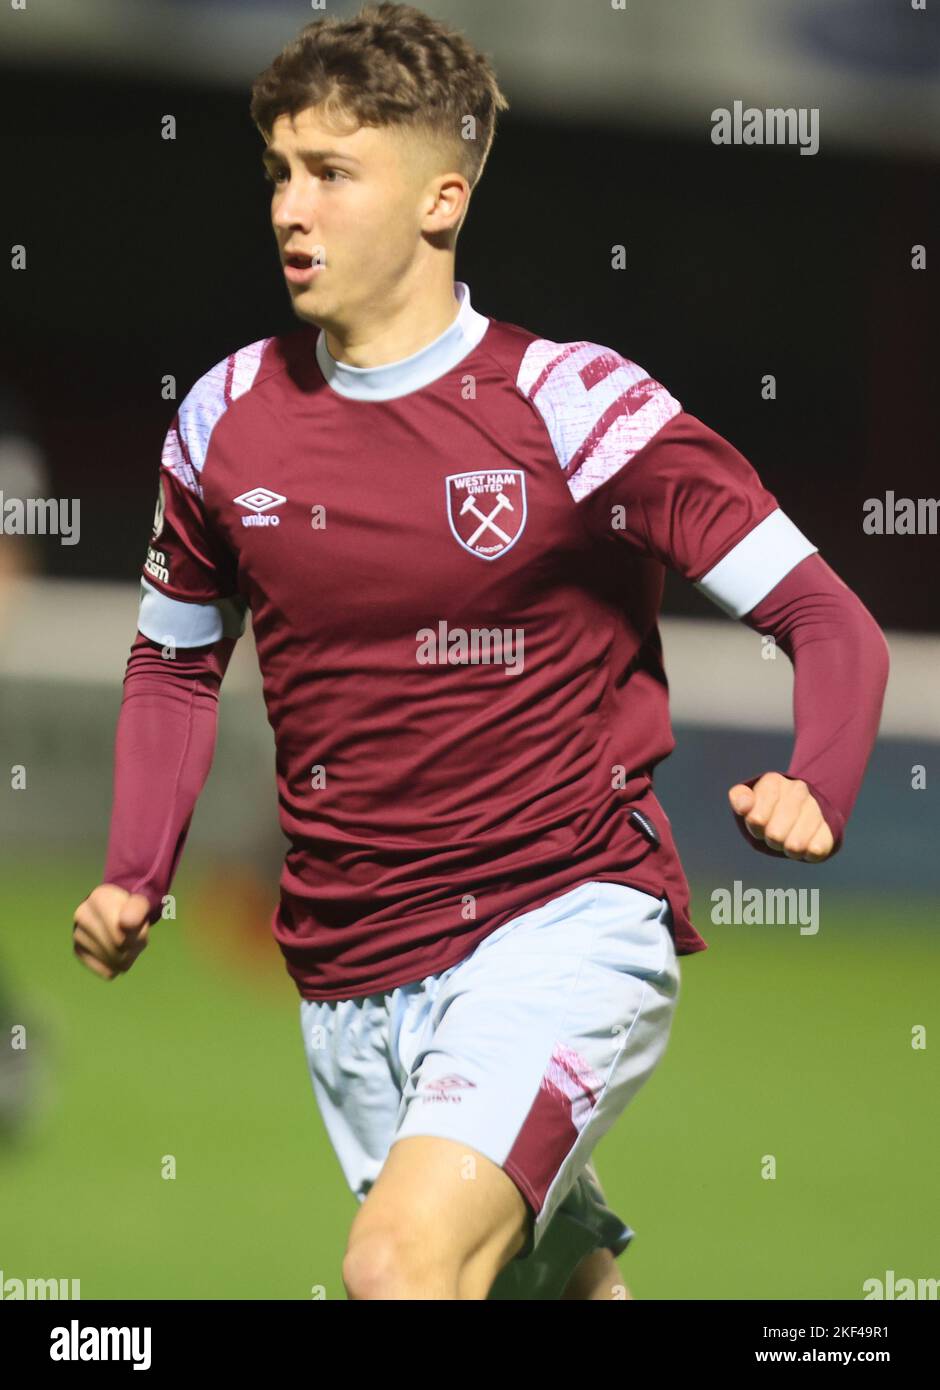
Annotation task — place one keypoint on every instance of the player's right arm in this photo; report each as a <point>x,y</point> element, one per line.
<point>190,617</point>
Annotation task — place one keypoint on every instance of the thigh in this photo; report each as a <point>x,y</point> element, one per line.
<point>539,1040</point>
<point>429,1200</point>
<point>448,1200</point>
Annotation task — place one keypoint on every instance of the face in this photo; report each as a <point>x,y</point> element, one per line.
<point>355,209</point>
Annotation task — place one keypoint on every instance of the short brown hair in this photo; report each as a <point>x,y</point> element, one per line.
<point>388,65</point>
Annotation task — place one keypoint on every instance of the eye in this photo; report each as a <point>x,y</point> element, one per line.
<point>329,174</point>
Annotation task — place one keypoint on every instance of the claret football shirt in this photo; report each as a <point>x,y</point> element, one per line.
<point>453,565</point>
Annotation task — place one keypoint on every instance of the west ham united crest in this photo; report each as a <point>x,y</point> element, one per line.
<point>487,511</point>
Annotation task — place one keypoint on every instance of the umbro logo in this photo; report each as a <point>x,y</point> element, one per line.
<point>259,500</point>
<point>446,1088</point>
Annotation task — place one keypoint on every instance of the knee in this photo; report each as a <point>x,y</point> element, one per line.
<point>384,1264</point>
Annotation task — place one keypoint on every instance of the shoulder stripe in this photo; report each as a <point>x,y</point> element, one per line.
<point>533,358</point>
<point>187,441</point>
<point>599,408</point>
<point>245,364</point>
<point>229,373</point>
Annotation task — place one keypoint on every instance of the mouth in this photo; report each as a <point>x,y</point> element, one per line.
<point>300,269</point>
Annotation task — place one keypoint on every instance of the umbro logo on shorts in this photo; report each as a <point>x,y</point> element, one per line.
<point>259,500</point>
<point>445,1088</point>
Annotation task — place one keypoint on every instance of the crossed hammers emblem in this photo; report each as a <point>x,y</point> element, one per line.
<point>486,522</point>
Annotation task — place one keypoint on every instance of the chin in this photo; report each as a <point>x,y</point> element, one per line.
<point>304,308</point>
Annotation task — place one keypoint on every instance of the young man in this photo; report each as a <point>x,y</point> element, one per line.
<point>451,535</point>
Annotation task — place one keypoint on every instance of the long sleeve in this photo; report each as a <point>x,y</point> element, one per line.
<point>164,744</point>
<point>190,617</point>
<point>840,665</point>
<point>685,496</point>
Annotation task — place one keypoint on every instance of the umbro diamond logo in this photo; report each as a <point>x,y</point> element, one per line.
<point>446,1088</point>
<point>259,500</point>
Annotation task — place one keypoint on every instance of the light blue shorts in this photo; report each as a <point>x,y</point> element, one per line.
<point>526,1051</point>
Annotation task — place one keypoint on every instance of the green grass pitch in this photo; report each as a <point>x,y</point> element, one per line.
<point>793,1046</point>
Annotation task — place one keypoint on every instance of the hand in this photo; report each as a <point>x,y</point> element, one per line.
<point>111,930</point>
<point>780,811</point>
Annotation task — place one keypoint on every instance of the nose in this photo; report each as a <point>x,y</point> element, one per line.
<point>294,208</point>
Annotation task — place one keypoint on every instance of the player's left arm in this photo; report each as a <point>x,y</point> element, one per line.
<point>686,496</point>
<point>840,667</point>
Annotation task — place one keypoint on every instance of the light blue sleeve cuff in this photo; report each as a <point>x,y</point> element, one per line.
<point>756,565</point>
<point>173,623</point>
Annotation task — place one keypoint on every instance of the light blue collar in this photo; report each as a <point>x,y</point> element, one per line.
<point>410,373</point>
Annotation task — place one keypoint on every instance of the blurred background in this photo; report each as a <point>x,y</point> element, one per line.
<point>147,258</point>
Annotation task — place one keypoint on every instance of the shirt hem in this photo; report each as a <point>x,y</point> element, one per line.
<point>386,985</point>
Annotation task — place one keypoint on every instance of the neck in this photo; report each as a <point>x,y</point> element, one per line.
<point>463,329</point>
<point>404,323</point>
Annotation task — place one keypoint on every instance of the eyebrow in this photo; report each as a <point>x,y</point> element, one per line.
<point>273,156</point>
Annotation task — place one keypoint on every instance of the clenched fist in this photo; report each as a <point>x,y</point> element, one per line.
<point>111,930</point>
<point>782,812</point>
